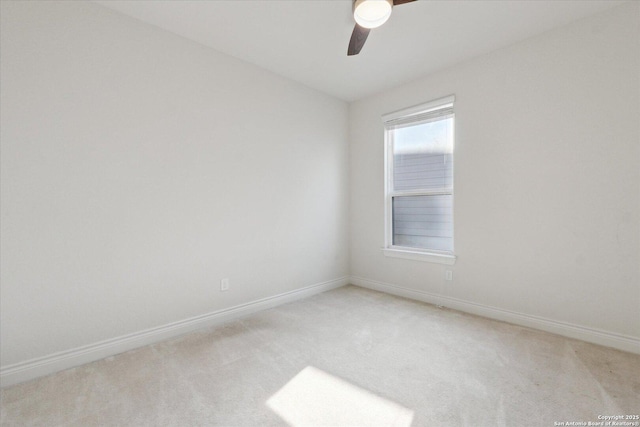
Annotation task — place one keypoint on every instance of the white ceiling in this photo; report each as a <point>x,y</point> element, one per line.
<point>306,40</point>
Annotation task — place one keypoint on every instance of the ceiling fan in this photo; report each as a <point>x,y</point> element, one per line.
<point>369,14</point>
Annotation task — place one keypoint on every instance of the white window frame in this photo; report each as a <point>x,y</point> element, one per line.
<point>390,250</point>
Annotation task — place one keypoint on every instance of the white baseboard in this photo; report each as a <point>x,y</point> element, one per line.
<point>609,339</point>
<point>34,368</point>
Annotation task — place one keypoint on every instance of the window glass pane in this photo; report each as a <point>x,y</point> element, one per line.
<point>423,156</point>
<point>423,222</point>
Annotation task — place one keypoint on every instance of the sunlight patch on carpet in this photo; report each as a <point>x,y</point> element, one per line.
<point>314,397</point>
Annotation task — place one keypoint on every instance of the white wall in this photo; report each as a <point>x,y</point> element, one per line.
<point>139,168</point>
<point>547,183</point>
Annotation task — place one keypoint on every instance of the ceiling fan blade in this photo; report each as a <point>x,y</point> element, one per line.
<point>399,2</point>
<point>358,37</point>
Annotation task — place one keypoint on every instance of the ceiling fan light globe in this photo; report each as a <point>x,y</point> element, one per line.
<point>372,13</point>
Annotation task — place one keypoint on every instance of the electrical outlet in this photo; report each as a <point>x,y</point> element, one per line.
<point>224,285</point>
<point>448,275</point>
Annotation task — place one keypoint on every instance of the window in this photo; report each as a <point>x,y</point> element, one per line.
<point>419,182</point>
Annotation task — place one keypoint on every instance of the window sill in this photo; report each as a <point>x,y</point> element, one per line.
<point>420,256</point>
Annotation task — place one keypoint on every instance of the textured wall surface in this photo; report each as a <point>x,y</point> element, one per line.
<point>546,177</point>
<point>139,168</point>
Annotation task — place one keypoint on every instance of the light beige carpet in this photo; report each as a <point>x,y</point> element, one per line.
<point>345,357</point>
